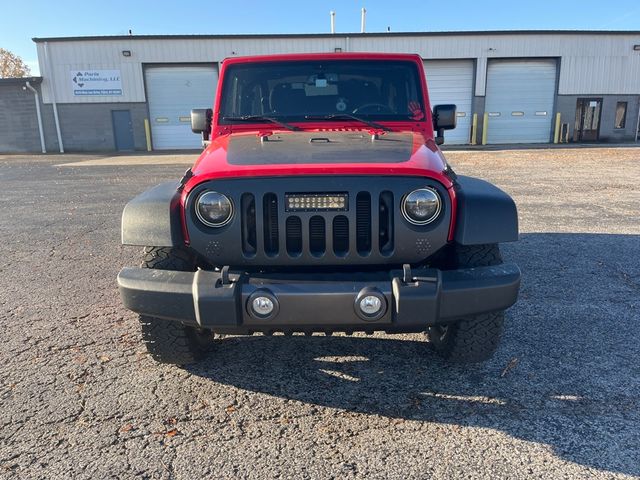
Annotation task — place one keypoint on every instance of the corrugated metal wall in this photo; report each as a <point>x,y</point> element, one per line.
<point>590,63</point>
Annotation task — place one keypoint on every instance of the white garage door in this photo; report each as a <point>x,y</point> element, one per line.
<point>451,81</point>
<point>519,100</point>
<point>172,92</point>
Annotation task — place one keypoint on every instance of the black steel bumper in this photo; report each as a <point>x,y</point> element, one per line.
<point>308,303</point>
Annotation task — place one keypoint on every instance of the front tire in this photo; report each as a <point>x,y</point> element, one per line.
<point>475,338</point>
<point>170,341</point>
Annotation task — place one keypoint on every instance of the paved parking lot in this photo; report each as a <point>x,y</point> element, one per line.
<point>561,399</point>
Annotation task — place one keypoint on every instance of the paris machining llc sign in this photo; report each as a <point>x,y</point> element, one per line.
<point>96,82</point>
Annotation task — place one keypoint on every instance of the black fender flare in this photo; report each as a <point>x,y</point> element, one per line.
<point>484,213</point>
<point>153,218</point>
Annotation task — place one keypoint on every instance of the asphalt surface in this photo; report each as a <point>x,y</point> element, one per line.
<point>79,398</point>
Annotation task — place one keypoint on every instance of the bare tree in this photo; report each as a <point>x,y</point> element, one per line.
<point>12,66</point>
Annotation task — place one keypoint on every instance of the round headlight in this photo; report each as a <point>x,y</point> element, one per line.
<point>214,209</point>
<point>421,206</point>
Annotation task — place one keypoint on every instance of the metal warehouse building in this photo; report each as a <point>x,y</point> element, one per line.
<point>136,92</point>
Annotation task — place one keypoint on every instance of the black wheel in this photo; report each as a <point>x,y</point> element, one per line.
<point>170,341</point>
<point>476,338</point>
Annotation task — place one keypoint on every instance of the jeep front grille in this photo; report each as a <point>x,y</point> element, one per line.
<point>367,230</point>
<point>317,233</point>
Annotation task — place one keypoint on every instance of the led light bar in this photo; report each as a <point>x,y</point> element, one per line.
<point>316,202</point>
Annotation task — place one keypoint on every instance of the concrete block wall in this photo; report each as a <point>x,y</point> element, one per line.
<point>19,121</point>
<point>89,127</point>
<point>84,127</point>
<point>608,133</point>
<point>566,105</point>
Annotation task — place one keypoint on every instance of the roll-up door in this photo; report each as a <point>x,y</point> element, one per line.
<point>519,102</point>
<point>172,92</point>
<point>451,81</point>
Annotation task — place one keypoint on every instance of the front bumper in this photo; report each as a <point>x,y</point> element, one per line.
<point>325,303</point>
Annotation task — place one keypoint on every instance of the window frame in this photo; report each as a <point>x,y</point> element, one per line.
<point>623,124</point>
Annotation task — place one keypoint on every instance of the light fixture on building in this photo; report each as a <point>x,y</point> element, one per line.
<point>337,50</point>
<point>126,53</point>
<point>636,48</point>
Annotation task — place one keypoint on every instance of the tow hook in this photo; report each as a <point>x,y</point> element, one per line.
<point>407,276</point>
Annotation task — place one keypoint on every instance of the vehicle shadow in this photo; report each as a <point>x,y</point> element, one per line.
<point>567,374</point>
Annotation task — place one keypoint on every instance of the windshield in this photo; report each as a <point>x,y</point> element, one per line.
<point>316,90</point>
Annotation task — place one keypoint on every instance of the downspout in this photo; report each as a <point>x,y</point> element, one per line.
<point>39,115</point>
<point>53,96</point>
<point>638,122</point>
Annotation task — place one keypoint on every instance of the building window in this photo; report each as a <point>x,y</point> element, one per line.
<point>621,115</point>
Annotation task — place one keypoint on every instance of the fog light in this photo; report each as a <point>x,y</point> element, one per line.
<point>370,305</point>
<point>262,306</point>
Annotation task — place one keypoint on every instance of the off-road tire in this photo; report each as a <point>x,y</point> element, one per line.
<point>475,338</point>
<point>169,341</point>
<point>165,258</point>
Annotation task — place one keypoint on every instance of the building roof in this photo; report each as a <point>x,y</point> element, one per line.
<point>20,80</point>
<point>328,35</point>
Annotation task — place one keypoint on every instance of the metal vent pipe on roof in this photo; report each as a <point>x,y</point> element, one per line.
<point>363,19</point>
<point>333,21</point>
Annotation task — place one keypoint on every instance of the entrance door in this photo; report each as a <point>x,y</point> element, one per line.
<point>122,129</point>
<point>587,120</point>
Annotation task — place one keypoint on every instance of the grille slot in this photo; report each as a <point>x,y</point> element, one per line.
<point>317,236</point>
<point>363,223</point>
<point>270,214</point>
<point>385,231</point>
<point>294,236</point>
<point>248,212</point>
<point>340,235</point>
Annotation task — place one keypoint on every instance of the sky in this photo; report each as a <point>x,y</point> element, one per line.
<point>20,21</point>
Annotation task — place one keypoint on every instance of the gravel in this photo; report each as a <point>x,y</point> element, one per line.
<point>79,398</point>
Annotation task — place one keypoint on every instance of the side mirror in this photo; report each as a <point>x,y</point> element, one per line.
<point>201,120</point>
<point>444,118</point>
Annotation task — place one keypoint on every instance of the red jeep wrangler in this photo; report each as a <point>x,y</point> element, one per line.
<point>321,203</point>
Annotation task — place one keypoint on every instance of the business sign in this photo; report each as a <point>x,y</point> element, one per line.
<point>96,82</point>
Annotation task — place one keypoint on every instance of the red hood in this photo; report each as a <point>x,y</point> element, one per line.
<point>319,152</point>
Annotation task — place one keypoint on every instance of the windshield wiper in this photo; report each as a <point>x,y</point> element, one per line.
<point>349,116</point>
<point>247,118</point>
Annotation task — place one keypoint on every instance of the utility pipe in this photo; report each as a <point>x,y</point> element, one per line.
<point>39,115</point>
<point>333,21</point>
<point>638,122</point>
<point>363,19</point>
<point>53,96</point>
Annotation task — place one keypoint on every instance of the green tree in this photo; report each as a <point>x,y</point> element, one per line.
<point>12,66</point>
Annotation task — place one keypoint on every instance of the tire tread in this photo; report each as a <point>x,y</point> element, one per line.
<point>475,338</point>
<point>170,341</point>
